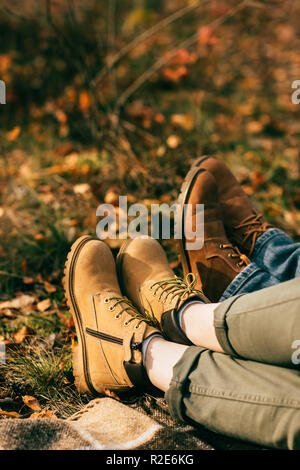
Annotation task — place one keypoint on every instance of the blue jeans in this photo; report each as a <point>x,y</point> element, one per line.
<point>275,259</point>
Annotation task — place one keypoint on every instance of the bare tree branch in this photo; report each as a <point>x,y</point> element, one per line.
<point>144,36</point>
<point>10,12</point>
<point>111,41</point>
<point>166,59</point>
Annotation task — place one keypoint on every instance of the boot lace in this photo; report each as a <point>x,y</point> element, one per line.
<point>128,307</point>
<point>253,226</point>
<point>244,260</point>
<point>176,287</point>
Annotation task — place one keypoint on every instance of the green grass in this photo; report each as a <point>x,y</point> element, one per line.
<point>45,374</point>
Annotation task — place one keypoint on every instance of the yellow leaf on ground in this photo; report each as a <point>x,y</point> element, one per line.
<point>43,305</point>
<point>31,402</point>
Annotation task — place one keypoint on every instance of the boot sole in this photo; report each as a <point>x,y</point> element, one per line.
<point>184,194</point>
<point>80,357</point>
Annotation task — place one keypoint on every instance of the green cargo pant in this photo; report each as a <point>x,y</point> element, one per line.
<point>252,392</point>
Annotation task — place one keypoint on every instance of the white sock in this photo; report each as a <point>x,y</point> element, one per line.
<point>183,309</point>
<point>145,345</point>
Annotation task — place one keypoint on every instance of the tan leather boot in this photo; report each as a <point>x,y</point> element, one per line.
<point>242,222</point>
<point>147,279</point>
<point>218,262</point>
<point>109,329</point>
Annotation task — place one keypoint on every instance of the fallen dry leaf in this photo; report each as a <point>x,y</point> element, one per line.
<point>40,237</point>
<point>13,134</point>
<point>49,287</point>
<point>22,334</point>
<point>43,305</point>
<point>24,265</point>
<point>82,188</point>
<point>84,100</point>
<point>39,278</point>
<point>186,121</point>
<point>7,312</point>
<point>254,127</point>
<point>43,414</point>
<point>31,402</point>
<point>10,414</point>
<point>111,394</point>
<point>112,196</point>
<point>173,141</point>
<point>18,302</point>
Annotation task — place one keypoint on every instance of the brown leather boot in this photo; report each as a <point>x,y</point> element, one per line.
<point>242,222</point>
<point>109,329</point>
<point>218,261</point>
<point>147,279</point>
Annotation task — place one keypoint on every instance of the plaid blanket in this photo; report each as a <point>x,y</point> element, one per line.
<point>106,423</point>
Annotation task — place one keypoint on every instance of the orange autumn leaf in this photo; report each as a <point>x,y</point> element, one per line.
<point>254,127</point>
<point>22,334</point>
<point>31,402</point>
<point>24,265</point>
<point>205,35</point>
<point>13,134</point>
<point>257,179</point>
<point>49,287</point>
<point>173,141</point>
<point>84,100</point>
<point>10,414</point>
<point>43,414</point>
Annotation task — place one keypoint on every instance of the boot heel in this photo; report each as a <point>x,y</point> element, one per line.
<point>78,371</point>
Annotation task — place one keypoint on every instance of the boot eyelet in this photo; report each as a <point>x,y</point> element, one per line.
<point>229,255</point>
<point>126,323</point>
<point>117,316</point>
<point>111,308</point>
<point>106,301</point>
<point>137,327</point>
<point>221,246</point>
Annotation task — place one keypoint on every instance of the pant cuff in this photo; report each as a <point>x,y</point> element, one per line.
<point>220,324</point>
<point>179,383</point>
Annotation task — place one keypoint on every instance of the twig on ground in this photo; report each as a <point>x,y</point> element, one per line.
<point>144,36</point>
<point>156,66</point>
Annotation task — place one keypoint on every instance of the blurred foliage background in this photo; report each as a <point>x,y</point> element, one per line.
<point>111,97</point>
